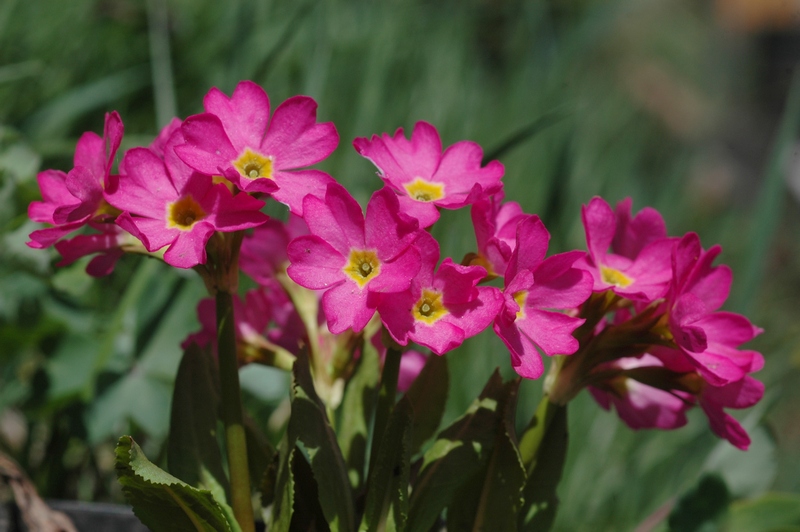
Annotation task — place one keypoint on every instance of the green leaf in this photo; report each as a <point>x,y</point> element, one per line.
<point>357,410</point>
<point>387,497</point>
<point>193,446</point>
<point>541,501</point>
<point>163,502</point>
<point>307,513</point>
<point>701,505</point>
<point>309,425</point>
<point>492,499</point>
<point>428,396</point>
<point>283,505</point>
<point>768,513</point>
<point>457,454</point>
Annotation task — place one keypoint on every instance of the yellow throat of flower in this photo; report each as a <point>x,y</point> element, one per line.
<point>362,265</point>
<point>429,308</point>
<point>615,277</point>
<point>184,213</point>
<point>424,191</point>
<point>253,165</point>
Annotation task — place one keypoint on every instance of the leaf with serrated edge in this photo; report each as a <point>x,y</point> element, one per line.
<point>163,502</point>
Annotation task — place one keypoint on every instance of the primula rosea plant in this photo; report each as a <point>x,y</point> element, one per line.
<point>348,301</point>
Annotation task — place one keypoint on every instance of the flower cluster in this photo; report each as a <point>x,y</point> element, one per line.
<point>635,319</point>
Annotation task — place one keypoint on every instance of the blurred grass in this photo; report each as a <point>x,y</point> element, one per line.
<point>654,100</point>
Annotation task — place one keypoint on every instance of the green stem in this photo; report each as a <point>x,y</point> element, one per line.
<point>532,438</point>
<point>231,408</point>
<point>386,395</point>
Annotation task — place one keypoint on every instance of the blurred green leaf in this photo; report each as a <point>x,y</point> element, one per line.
<point>701,505</point>
<point>164,503</point>
<point>772,512</point>
<point>357,410</point>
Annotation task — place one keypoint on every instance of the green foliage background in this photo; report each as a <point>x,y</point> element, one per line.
<point>653,99</point>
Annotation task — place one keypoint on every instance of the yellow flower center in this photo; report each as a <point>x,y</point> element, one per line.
<point>615,277</point>
<point>362,265</point>
<point>253,165</point>
<point>422,190</point>
<point>429,308</point>
<point>106,211</point>
<point>184,213</point>
<point>520,298</point>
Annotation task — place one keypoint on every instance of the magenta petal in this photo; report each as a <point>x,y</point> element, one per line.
<point>458,282</point>
<point>729,328</point>
<point>386,229</point>
<point>525,359</point>
<point>153,233</point>
<point>396,313</point>
<point>295,138</point>
<point>558,285</point>
<point>725,426</point>
<point>296,185</point>
<point>208,148</point>
<point>551,331</point>
<point>740,394</point>
<point>232,213</point>
<point>337,220</point>
<point>44,238</point>
<point>84,186</point>
<point>52,184</point>
<point>244,116</point>
<point>315,264</point>
<point>425,213</point>
<point>531,247</point>
<point>346,306</point>
<point>600,224</point>
<point>440,336</point>
<point>90,153</point>
<point>146,188</point>
<point>189,248</point>
<point>396,275</point>
<point>475,316</point>
<point>460,169</point>
<point>632,236</point>
<point>103,264</point>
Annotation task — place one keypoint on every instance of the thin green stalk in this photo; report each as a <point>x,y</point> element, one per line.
<point>532,438</point>
<point>231,409</point>
<point>386,395</point>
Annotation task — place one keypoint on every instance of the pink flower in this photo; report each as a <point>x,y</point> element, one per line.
<point>495,232</point>
<point>235,138</point>
<point>709,339</point>
<point>108,244</point>
<point>352,258</point>
<point>639,267</point>
<point>639,405</point>
<point>167,204</point>
<point>264,252</point>
<point>440,310</point>
<point>425,178</point>
<point>740,394</point>
<point>534,288</point>
<point>72,200</point>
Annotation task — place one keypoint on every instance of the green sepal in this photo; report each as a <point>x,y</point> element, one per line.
<point>193,449</point>
<point>357,409</point>
<point>458,453</point>
<point>428,396</point>
<point>387,496</point>
<point>541,501</point>
<point>165,503</point>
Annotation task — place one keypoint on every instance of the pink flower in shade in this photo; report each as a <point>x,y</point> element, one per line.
<point>495,232</point>
<point>263,252</point>
<point>709,339</point>
<point>108,244</point>
<point>354,259</point>
<point>639,405</point>
<point>534,288</point>
<point>424,177</point>
<point>440,310</point>
<point>638,268</point>
<point>166,203</point>
<point>740,394</point>
<point>72,200</point>
<point>236,138</point>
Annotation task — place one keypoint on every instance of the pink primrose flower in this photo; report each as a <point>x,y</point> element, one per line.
<point>639,267</point>
<point>108,244</point>
<point>263,252</point>
<point>495,226</point>
<point>424,177</point>
<point>235,138</point>
<point>639,405</point>
<point>709,339</point>
<point>166,203</point>
<point>535,288</point>
<point>74,199</point>
<point>440,310</point>
<point>353,258</point>
<point>740,394</point>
